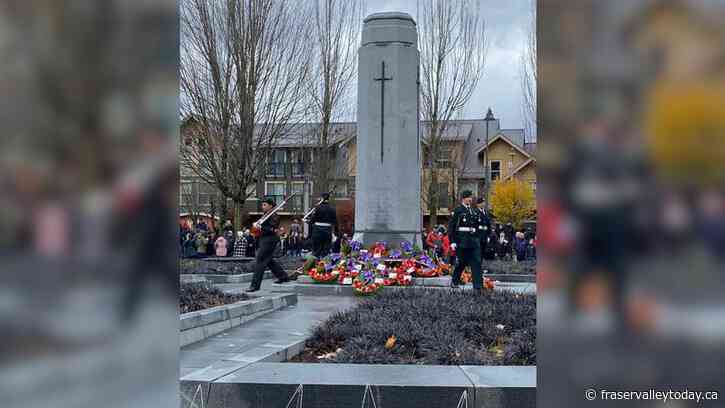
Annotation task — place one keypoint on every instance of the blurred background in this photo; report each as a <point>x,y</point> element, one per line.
<point>631,127</point>
<point>89,180</point>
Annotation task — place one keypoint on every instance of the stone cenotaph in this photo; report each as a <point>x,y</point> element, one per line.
<point>388,167</point>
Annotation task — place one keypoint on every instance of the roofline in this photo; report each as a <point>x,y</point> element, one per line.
<point>521,167</point>
<point>507,140</point>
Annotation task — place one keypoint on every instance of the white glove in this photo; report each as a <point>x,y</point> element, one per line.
<point>256,225</point>
<point>453,246</point>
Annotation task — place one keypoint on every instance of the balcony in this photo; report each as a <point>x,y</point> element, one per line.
<point>276,169</point>
<point>294,205</point>
<point>281,169</point>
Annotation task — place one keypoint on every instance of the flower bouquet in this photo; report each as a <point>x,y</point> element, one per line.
<point>466,276</point>
<point>425,267</point>
<point>379,250</point>
<point>364,284</point>
<point>324,272</point>
<point>398,276</point>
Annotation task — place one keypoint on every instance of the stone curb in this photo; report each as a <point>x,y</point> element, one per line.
<point>511,277</point>
<point>446,280</point>
<point>321,289</point>
<point>220,278</point>
<point>228,259</point>
<point>199,325</point>
<point>346,384</point>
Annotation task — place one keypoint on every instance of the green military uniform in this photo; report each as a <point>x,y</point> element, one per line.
<point>463,230</point>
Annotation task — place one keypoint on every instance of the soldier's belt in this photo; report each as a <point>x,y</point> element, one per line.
<point>323,224</point>
<point>466,229</point>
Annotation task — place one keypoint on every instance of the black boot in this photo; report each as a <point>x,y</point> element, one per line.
<point>282,280</point>
<point>251,289</point>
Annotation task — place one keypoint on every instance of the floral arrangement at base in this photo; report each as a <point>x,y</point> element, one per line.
<point>364,284</point>
<point>488,284</point>
<point>370,269</point>
<point>398,276</point>
<point>466,276</point>
<point>444,269</point>
<point>323,272</point>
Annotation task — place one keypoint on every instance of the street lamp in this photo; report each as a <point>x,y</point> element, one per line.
<point>486,171</point>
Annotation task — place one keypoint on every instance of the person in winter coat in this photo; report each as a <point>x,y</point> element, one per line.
<point>229,236</point>
<point>211,239</point>
<point>491,246</point>
<point>251,244</point>
<point>520,245</point>
<point>435,241</point>
<point>189,245</point>
<point>503,248</point>
<point>220,246</point>
<point>240,245</point>
<point>295,238</point>
<point>201,242</point>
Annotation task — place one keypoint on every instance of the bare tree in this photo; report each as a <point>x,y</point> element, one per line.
<point>528,77</point>
<point>244,70</point>
<point>452,53</point>
<point>337,26</point>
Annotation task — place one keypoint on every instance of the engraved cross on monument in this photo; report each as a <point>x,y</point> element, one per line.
<point>382,80</point>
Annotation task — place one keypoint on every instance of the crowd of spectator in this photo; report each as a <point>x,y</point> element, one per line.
<point>503,243</point>
<point>202,241</point>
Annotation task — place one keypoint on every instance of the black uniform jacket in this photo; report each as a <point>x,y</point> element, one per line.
<point>270,226</point>
<point>326,214</point>
<point>466,218</point>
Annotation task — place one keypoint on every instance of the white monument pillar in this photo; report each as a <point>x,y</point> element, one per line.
<point>387,191</point>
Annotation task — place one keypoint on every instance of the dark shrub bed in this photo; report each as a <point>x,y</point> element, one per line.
<point>436,327</point>
<point>198,296</point>
<point>510,267</point>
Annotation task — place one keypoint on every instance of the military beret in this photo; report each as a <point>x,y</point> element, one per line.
<point>466,194</point>
<point>269,201</point>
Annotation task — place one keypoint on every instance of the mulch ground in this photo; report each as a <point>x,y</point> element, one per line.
<point>425,326</point>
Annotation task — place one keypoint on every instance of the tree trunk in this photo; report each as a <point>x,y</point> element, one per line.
<point>433,196</point>
<point>237,215</point>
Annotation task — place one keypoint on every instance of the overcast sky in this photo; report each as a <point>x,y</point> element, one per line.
<point>507,23</point>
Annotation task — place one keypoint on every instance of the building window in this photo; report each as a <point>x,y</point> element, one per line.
<point>206,194</point>
<point>275,190</point>
<point>277,160</point>
<point>340,189</point>
<point>186,193</point>
<point>446,152</point>
<point>297,203</point>
<point>533,186</point>
<point>495,169</point>
<point>297,162</point>
<point>443,195</point>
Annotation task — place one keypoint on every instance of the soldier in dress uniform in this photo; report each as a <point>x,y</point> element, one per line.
<point>323,223</point>
<point>266,244</point>
<point>463,232</point>
<point>485,226</point>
